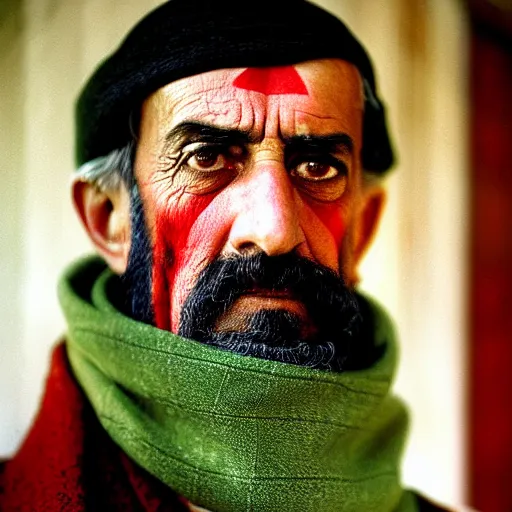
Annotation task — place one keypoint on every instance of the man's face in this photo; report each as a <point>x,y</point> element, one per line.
<point>238,162</point>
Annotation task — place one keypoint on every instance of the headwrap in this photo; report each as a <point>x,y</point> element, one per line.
<point>182,38</point>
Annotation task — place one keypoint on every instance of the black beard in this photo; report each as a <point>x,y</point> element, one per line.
<point>275,334</point>
<point>137,278</point>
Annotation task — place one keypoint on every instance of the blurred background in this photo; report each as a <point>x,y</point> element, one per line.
<point>441,263</point>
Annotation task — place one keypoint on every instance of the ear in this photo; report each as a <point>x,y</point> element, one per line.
<point>370,212</point>
<point>105,215</point>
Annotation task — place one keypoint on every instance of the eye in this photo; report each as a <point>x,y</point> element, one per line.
<point>323,177</point>
<point>315,171</point>
<point>206,157</point>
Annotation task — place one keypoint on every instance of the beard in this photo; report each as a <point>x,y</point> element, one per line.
<point>137,279</point>
<point>276,334</point>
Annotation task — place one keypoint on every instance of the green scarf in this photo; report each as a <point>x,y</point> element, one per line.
<point>231,432</point>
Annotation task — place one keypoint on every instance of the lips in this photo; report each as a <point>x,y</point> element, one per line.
<point>252,301</point>
<point>239,315</point>
<point>268,293</point>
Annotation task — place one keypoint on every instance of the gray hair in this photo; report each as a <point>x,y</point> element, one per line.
<point>111,171</point>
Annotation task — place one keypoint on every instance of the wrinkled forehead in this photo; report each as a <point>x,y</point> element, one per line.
<point>320,96</point>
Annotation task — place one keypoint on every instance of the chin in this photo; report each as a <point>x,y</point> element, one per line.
<point>277,335</point>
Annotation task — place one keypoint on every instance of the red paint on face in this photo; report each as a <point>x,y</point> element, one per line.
<point>172,228</point>
<point>275,80</point>
<point>331,217</point>
<point>161,264</point>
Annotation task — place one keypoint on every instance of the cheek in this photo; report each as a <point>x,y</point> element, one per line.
<point>173,220</point>
<point>332,218</point>
<point>325,229</point>
<point>188,234</point>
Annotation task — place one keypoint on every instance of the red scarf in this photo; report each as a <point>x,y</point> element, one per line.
<point>68,463</point>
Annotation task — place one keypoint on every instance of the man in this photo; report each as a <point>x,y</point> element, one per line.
<point>230,165</point>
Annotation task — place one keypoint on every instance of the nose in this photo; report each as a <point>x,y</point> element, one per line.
<point>268,214</point>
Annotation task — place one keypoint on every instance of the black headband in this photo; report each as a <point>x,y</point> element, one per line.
<point>185,37</point>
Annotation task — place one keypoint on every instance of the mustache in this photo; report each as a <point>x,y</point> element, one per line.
<point>275,334</point>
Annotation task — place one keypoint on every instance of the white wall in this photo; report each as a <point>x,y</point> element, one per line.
<point>11,225</point>
<point>417,266</point>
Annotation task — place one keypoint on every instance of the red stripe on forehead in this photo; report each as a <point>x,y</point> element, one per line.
<point>275,80</point>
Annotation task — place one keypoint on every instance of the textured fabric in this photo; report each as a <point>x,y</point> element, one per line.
<point>185,37</point>
<point>69,464</point>
<point>234,433</point>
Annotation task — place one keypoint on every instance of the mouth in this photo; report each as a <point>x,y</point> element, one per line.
<point>253,301</point>
<point>269,294</point>
<point>264,298</point>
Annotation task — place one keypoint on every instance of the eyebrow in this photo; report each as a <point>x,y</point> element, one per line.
<point>192,131</point>
<point>332,143</point>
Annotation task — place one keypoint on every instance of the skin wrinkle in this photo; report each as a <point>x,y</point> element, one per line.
<point>298,112</point>
<point>228,112</point>
<point>219,109</point>
<point>195,229</point>
<point>301,120</point>
<point>273,128</point>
